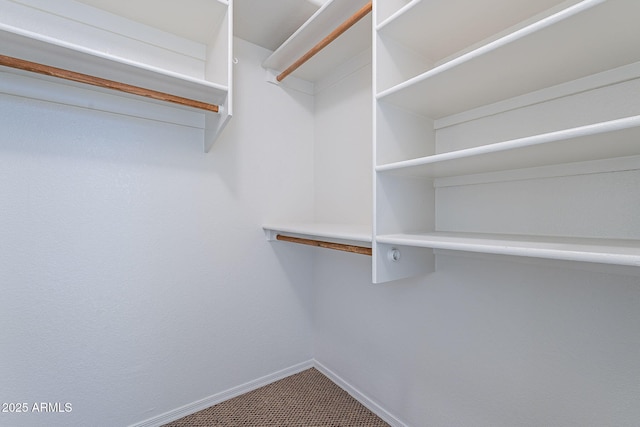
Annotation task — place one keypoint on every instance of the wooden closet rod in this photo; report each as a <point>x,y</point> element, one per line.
<point>47,70</point>
<point>324,42</point>
<point>328,245</point>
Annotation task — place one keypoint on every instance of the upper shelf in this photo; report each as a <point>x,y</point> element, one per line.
<point>432,27</point>
<point>525,60</point>
<point>605,140</point>
<point>56,53</point>
<point>324,21</point>
<point>83,39</point>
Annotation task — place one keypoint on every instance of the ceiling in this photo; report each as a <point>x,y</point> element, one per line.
<point>268,23</point>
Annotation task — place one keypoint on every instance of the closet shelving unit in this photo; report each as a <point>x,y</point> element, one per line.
<point>135,50</point>
<point>474,74</point>
<point>520,61</point>
<point>352,20</point>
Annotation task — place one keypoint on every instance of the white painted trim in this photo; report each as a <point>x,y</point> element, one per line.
<point>359,396</point>
<point>207,402</point>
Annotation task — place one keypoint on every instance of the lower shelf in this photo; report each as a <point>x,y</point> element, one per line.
<point>604,251</point>
<point>347,238</point>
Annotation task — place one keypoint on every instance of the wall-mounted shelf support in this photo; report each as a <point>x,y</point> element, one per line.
<point>350,22</point>
<point>34,67</point>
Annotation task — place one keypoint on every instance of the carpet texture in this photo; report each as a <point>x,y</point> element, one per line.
<point>306,399</point>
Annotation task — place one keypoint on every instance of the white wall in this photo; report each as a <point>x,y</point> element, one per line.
<point>134,274</point>
<point>484,341</point>
<point>342,154</point>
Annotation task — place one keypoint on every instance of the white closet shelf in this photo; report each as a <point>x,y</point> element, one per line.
<point>49,51</point>
<point>605,140</point>
<point>432,28</point>
<point>603,251</point>
<point>340,232</point>
<point>526,60</point>
<point>316,28</point>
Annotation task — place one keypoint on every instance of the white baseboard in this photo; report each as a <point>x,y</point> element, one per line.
<point>199,405</point>
<point>356,394</point>
<point>207,402</point>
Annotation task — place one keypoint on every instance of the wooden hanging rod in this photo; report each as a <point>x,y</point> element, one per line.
<point>328,245</point>
<point>47,70</point>
<point>324,42</point>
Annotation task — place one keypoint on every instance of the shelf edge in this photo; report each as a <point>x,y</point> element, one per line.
<point>502,247</point>
<point>515,144</point>
<point>320,230</point>
<point>404,9</point>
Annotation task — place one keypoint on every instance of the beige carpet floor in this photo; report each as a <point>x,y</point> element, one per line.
<point>306,399</point>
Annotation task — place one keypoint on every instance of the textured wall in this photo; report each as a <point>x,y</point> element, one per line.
<point>134,274</point>
<point>484,341</point>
